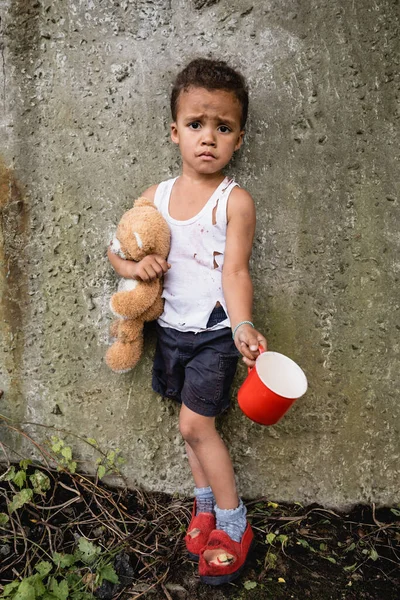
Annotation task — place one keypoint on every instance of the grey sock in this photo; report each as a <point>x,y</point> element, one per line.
<point>233,521</point>
<point>205,500</point>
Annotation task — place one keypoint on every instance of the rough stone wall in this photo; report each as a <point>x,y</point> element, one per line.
<point>84,128</point>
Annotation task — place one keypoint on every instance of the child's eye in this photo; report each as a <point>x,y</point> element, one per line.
<point>224,129</point>
<point>194,125</point>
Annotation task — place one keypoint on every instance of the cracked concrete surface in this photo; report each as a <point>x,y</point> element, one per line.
<point>84,127</point>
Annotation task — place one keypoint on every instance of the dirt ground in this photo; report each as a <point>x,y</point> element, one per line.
<point>299,553</point>
<point>326,556</point>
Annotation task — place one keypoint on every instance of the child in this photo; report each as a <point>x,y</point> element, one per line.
<point>208,301</point>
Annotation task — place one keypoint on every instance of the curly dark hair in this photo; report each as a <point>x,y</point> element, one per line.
<point>211,75</point>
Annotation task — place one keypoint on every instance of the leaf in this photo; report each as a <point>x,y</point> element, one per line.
<point>43,568</point>
<point>72,467</point>
<point>273,504</point>
<point>350,548</point>
<point>57,444</point>
<point>107,572</point>
<point>8,475</point>
<point>36,581</point>
<point>20,499</point>
<point>270,538</point>
<point>4,519</point>
<point>323,547</point>
<point>8,589</point>
<point>250,585</point>
<point>92,441</point>
<point>20,478</point>
<point>331,559</point>
<point>350,568</point>
<point>64,560</point>
<point>111,456</point>
<point>24,463</point>
<point>67,453</point>
<point>395,512</point>
<point>40,482</point>
<point>373,554</point>
<point>60,590</point>
<point>89,551</point>
<point>282,538</point>
<point>270,560</point>
<point>281,580</point>
<point>101,471</point>
<point>25,591</point>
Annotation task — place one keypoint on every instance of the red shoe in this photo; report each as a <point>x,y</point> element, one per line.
<point>229,569</point>
<point>205,523</point>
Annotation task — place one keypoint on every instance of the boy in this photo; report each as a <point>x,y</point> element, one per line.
<point>208,301</point>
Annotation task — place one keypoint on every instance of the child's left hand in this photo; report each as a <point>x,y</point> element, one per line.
<point>247,340</point>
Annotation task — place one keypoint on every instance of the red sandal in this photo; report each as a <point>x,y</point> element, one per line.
<point>205,523</point>
<point>226,571</point>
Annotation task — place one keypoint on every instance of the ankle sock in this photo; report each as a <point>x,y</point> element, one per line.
<point>233,521</point>
<point>205,500</point>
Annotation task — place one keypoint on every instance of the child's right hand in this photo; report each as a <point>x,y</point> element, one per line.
<point>151,267</point>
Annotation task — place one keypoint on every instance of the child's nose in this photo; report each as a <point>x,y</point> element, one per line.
<point>208,137</point>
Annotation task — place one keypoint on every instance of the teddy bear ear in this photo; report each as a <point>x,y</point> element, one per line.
<point>142,201</point>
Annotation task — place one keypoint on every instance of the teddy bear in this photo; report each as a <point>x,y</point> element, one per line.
<point>142,230</point>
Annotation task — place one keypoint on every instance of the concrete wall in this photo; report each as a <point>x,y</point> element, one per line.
<point>84,129</point>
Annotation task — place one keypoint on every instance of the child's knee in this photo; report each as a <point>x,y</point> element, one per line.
<point>195,431</point>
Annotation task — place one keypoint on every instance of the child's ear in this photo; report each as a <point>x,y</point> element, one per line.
<point>174,133</point>
<point>240,140</point>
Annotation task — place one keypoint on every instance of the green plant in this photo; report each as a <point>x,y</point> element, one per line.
<point>271,556</point>
<point>68,577</point>
<point>37,483</point>
<point>108,463</point>
<point>63,454</point>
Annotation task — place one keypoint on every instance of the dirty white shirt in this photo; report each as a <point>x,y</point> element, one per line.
<point>193,284</point>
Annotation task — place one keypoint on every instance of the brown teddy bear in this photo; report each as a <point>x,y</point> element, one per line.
<point>142,230</point>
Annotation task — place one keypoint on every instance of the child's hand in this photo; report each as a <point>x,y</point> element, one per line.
<point>247,340</point>
<point>151,267</point>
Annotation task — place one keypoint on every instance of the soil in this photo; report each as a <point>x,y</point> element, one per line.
<point>304,567</point>
<point>299,552</point>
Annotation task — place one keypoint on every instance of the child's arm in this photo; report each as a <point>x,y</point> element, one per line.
<point>237,285</point>
<point>149,268</point>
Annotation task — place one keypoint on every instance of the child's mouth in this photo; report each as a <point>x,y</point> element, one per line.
<point>207,156</point>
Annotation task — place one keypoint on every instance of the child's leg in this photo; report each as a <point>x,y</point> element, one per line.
<point>211,464</point>
<point>209,460</point>
<point>200,478</point>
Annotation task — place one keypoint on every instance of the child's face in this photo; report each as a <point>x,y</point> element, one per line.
<point>207,129</point>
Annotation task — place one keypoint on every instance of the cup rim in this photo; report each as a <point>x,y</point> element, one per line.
<point>293,364</point>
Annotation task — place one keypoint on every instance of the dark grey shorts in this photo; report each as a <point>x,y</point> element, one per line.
<point>196,369</point>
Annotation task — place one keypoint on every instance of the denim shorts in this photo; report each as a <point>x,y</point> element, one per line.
<point>196,369</point>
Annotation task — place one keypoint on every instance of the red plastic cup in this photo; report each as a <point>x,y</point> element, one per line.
<point>271,387</point>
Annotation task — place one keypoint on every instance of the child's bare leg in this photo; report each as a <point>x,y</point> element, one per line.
<point>211,456</point>
<point>210,463</point>
<point>200,478</point>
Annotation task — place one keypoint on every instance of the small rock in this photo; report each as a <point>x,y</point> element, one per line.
<point>120,72</point>
<point>177,589</point>
<point>5,550</point>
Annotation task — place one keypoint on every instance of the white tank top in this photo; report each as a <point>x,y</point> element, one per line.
<point>193,284</point>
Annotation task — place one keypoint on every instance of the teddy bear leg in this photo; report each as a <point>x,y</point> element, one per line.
<point>154,311</point>
<point>121,357</point>
<point>133,302</point>
<point>129,330</point>
<point>114,328</point>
